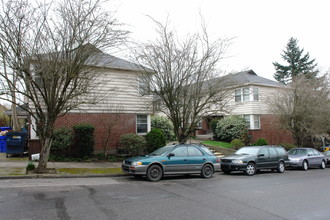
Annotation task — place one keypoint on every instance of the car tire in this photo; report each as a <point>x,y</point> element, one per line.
<point>154,173</point>
<point>250,169</point>
<point>322,165</point>
<point>226,171</point>
<point>305,165</point>
<point>281,167</point>
<point>207,171</point>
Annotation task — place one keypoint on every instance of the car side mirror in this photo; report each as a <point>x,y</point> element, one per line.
<point>261,155</point>
<point>170,155</point>
<point>310,155</point>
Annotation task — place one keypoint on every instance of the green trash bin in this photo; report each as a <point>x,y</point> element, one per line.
<point>16,142</point>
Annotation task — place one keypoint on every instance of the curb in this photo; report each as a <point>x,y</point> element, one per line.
<point>55,176</point>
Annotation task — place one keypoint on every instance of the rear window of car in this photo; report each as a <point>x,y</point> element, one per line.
<point>280,150</point>
<point>272,151</point>
<point>206,150</point>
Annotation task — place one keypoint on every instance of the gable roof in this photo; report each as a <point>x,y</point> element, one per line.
<point>100,59</point>
<point>249,77</point>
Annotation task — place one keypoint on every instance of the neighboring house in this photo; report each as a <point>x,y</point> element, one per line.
<point>249,100</point>
<point>121,108</point>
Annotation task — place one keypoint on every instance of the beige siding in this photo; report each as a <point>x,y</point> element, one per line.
<point>114,91</point>
<point>253,107</point>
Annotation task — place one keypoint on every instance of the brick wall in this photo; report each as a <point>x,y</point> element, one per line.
<point>271,131</point>
<point>126,123</point>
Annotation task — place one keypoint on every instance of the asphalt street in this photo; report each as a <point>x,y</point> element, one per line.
<point>294,194</point>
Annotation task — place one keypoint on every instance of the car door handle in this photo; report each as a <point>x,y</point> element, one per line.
<point>204,159</point>
<point>185,160</point>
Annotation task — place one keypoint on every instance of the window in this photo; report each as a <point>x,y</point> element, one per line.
<point>247,94</point>
<point>280,151</point>
<point>310,152</point>
<point>255,94</point>
<point>193,151</point>
<point>272,151</point>
<point>180,152</point>
<point>316,152</point>
<point>264,151</point>
<point>141,124</point>
<point>253,121</point>
<point>144,86</point>
<point>238,94</point>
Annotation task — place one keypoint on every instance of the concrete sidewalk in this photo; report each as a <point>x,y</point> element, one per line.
<point>15,167</point>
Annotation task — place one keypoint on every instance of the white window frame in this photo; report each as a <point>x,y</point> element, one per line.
<point>148,123</point>
<point>247,94</point>
<point>253,121</point>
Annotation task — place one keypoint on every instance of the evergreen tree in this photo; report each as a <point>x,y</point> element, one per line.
<point>298,63</point>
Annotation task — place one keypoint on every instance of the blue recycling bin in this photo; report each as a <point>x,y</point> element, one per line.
<point>16,142</point>
<point>5,128</point>
<point>3,144</point>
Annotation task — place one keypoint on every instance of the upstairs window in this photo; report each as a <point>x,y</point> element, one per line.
<point>247,94</point>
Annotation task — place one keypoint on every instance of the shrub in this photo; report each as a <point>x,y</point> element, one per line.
<point>230,127</point>
<point>261,142</point>
<point>288,146</point>
<point>84,139</point>
<point>237,143</point>
<point>133,143</point>
<point>155,139</point>
<point>213,124</point>
<point>30,166</point>
<point>165,125</point>
<point>62,142</point>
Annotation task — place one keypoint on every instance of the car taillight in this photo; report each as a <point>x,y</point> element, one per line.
<point>218,160</point>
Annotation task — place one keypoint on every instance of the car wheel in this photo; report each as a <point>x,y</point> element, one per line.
<point>226,171</point>
<point>207,171</point>
<point>322,165</point>
<point>154,173</point>
<point>250,169</point>
<point>305,165</point>
<point>281,167</point>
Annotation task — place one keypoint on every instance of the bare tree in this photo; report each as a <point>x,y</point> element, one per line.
<point>303,107</point>
<point>181,76</point>
<point>50,48</point>
<point>109,123</point>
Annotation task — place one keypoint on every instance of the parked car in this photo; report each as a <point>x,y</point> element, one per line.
<point>254,158</point>
<point>306,157</point>
<point>173,159</point>
<point>327,154</point>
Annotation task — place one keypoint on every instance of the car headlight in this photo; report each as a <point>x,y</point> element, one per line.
<point>296,159</point>
<point>237,161</point>
<point>136,163</point>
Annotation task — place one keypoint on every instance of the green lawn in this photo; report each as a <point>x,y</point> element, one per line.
<point>217,144</point>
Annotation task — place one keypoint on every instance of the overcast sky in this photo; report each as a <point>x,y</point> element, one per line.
<point>260,28</point>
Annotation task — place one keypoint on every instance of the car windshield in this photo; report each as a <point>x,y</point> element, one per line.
<point>297,152</point>
<point>248,150</point>
<point>163,150</point>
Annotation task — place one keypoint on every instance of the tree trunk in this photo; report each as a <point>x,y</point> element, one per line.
<point>14,117</point>
<point>44,155</point>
